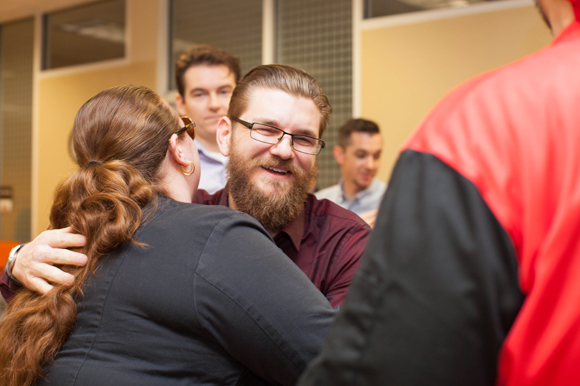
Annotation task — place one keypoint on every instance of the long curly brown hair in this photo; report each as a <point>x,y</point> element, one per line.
<point>127,130</point>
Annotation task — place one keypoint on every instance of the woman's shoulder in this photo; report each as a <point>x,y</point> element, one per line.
<point>186,215</point>
<point>187,230</point>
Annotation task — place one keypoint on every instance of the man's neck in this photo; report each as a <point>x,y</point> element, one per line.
<point>232,205</point>
<point>560,13</point>
<point>350,190</point>
<point>207,143</point>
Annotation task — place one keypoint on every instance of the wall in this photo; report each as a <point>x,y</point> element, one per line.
<point>408,64</point>
<point>60,93</point>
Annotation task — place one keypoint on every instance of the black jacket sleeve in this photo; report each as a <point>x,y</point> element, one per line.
<point>436,293</point>
<point>257,304</point>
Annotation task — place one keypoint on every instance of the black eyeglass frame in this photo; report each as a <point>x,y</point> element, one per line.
<point>189,127</point>
<point>251,125</point>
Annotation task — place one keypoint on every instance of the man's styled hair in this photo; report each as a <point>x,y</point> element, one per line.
<point>355,126</point>
<point>280,77</point>
<point>204,54</point>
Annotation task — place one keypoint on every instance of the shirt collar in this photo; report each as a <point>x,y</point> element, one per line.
<point>366,191</point>
<point>217,156</point>
<point>295,229</point>
<point>342,196</point>
<point>223,199</point>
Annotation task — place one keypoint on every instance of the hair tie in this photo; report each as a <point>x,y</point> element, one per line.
<point>94,163</point>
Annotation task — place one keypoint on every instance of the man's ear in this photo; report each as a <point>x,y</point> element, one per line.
<point>176,153</point>
<point>180,104</point>
<point>338,153</point>
<point>224,135</point>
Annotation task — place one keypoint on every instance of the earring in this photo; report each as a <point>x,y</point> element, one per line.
<point>188,172</point>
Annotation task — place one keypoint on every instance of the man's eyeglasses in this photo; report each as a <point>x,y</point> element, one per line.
<point>269,134</point>
<point>189,127</point>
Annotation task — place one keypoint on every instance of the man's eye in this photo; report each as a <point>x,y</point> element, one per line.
<point>304,141</point>
<point>268,131</point>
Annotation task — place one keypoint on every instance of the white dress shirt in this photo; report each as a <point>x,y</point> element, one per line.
<point>213,168</point>
<point>365,200</point>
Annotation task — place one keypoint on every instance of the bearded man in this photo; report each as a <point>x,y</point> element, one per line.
<point>272,134</point>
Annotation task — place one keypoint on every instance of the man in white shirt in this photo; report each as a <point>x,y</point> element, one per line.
<point>358,153</point>
<point>206,77</point>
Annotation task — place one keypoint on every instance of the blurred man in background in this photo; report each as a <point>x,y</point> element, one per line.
<point>206,77</point>
<point>359,154</point>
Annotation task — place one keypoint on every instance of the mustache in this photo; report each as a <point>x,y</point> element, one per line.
<point>279,164</point>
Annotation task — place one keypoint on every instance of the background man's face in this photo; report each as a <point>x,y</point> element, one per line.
<point>208,90</point>
<point>361,159</point>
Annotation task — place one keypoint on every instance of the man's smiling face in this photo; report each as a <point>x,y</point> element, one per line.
<point>276,176</point>
<point>278,164</point>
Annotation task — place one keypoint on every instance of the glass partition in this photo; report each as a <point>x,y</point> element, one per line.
<point>86,34</point>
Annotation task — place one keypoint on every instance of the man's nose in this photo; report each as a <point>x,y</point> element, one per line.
<point>283,148</point>
<point>371,163</point>
<point>214,101</point>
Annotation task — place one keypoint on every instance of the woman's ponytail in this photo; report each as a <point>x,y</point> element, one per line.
<point>120,140</point>
<point>102,202</point>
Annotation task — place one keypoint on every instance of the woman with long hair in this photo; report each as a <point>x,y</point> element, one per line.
<point>174,293</point>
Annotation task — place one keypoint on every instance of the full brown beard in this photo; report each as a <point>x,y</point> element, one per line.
<point>272,210</point>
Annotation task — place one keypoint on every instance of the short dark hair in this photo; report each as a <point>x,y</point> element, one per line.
<point>355,126</point>
<point>204,54</point>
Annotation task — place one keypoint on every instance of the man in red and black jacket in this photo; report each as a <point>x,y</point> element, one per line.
<point>472,275</point>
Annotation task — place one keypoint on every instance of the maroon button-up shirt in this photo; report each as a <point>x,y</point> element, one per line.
<point>325,241</point>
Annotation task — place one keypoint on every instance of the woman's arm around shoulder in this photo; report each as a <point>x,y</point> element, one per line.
<point>257,304</point>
